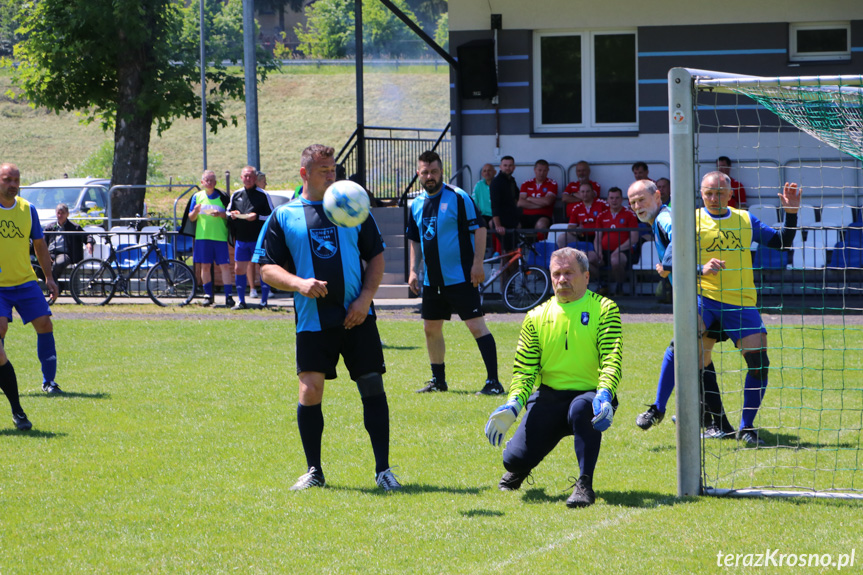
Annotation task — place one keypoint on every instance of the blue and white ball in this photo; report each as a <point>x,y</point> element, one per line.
<point>346,204</point>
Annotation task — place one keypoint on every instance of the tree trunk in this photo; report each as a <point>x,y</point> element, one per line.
<point>131,142</point>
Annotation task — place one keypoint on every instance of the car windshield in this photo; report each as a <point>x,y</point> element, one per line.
<point>48,198</point>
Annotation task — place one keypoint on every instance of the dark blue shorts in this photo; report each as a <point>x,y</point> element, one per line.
<point>243,251</point>
<point>360,347</point>
<point>27,298</point>
<point>210,251</point>
<point>736,321</point>
<point>440,302</point>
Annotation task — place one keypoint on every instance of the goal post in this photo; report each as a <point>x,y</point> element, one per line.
<point>807,130</point>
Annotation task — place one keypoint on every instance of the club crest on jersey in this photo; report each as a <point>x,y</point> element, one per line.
<point>585,318</point>
<point>429,227</point>
<point>325,242</point>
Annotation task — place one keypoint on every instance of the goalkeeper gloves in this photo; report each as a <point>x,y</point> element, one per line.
<point>602,411</point>
<point>501,420</point>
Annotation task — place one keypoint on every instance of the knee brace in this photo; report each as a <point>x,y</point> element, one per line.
<point>370,385</point>
<point>758,364</point>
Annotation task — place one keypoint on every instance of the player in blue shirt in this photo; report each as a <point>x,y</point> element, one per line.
<point>301,251</point>
<point>446,230</point>
<point>646,202</point>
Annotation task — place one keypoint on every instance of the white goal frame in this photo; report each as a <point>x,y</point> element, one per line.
<point>682,86</point>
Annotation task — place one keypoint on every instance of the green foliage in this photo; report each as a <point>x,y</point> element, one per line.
<point>329,30</point>
<point>428,12</point>
<point>9,23</point>
<point>281,51</point>
<point>99,164</point>
<point>441,33</point>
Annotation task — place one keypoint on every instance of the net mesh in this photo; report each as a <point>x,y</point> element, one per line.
<point>809,294</point>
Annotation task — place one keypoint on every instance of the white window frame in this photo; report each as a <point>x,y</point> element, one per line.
<point>795,56</point>
<point>588,86</point>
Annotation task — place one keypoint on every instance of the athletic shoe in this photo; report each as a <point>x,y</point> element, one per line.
<point>241,305</point>
<point>21,422</point>
<point>253,293</point>
<point>51,388</point>
<point>314,478</point>
<point>229,302</point>
<point>712,432</point>
<point>750,437</point>
<point>491,387</point>
<point>649,418</point>
<point>433,385</point>
<point>387,480</point>
<point>208,301</point>
<point>512,481</point>
<point>582,495</point>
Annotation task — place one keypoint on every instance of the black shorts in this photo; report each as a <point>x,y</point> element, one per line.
<point>360,347</point>
<point>441,302</point>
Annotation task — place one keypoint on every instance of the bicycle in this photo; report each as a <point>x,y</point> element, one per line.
<point>169,282</point>
<point>527,287</point>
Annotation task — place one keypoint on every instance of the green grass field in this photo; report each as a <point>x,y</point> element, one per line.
<point>176,443</point>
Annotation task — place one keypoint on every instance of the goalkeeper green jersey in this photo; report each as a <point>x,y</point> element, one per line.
<point>574,345</point>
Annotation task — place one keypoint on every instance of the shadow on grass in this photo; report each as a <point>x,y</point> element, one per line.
<point>661,448</point>
<point>413,488</point>
<point>786,440</point>
<point>641,499</point>
<point>481,513</point>
<point>400,347</point>
<point>99,395</point>
<point>33,434</point>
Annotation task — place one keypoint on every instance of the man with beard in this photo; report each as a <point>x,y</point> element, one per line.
<point>447,231</point>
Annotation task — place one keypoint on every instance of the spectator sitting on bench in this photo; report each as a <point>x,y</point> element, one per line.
<point>66,249</point>
<point>614,248</point>
<point>584,215</point>
<point>536,199</point>
<point>571,194</point>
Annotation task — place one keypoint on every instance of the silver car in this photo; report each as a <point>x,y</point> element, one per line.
<point>86,197</point>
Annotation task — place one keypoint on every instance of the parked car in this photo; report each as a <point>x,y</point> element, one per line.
<point>280,197</point>
<point>80,194</point>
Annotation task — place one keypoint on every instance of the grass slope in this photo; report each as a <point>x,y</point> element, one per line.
<point>297,107</point>
<point>176,444</point>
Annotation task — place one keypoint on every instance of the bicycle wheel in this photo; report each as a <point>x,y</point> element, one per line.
<point>93,282</point>
<point>526,289</point>
<point>171,282</point>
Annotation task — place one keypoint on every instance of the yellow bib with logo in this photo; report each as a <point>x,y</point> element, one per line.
<point>15,228</point>
<point>729,239</point>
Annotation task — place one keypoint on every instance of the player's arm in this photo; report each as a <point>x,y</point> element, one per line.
<point>416,262</point>
<point>194,209</point>
<point>477,271</point>
<point>526,364</point>
<point>372,277</point>
<point>782,238</point>
<point>548,199</point>
<point>609,343</point>
<point>44,257</point>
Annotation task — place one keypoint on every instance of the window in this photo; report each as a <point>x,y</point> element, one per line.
<point>824,41</point>
<point>585,81</point>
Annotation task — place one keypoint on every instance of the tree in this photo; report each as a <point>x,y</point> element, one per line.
<point>329,30</point>
<point>8,25</point>
<point>128,64</point>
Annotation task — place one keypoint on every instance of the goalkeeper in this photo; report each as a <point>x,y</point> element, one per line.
<point>572,344</point>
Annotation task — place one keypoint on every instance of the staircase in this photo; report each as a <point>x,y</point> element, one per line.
<point>392,226</point>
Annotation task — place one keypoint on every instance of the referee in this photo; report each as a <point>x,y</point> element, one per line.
<point>302,251</point>
<point>572,344</point>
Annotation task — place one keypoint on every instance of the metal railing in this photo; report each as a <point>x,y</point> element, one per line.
<point>391,157</point>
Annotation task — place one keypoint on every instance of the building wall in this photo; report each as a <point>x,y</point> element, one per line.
<point>667,37</point>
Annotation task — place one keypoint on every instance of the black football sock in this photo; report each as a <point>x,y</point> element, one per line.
<point>9,385</point>
<point>488,351</point>
<point>310,420</point>
<point>439,372</point>
<point>376,417</point>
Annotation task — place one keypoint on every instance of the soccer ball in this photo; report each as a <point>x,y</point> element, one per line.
<point>346,204</point>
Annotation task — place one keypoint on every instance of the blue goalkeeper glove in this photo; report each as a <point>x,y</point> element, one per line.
<point>602,411</point>
<point>501,420</point>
